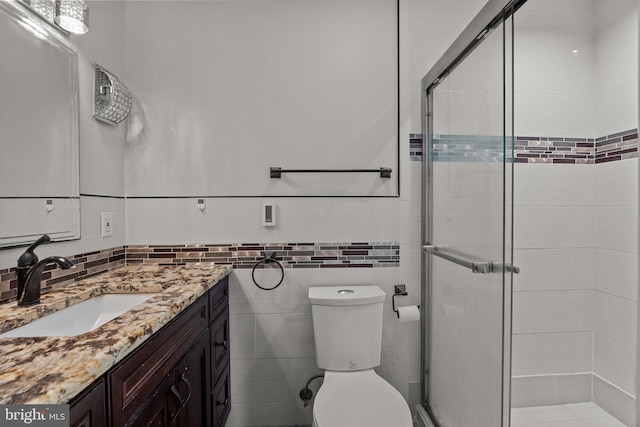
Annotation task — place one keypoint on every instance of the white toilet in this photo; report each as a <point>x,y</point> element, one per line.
<point>347,325</point>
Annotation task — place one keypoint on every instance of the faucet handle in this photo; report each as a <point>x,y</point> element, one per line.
<point>29,258</point>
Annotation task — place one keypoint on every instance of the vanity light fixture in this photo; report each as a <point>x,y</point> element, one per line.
<point>46,8</point>
<point>72,15</point>
<point>112,100</point>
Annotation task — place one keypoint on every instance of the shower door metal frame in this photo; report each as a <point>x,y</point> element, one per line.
<point>494,13</point>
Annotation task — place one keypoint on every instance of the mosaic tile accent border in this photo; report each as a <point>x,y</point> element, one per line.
<point>86,265</point>
<point>619,146</point>
<point>415,146</point>
<point>532,149</point>
<point>239,255</point>
<point>291,255</point>
<point>609,148</point>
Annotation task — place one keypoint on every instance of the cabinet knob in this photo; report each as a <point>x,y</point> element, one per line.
<point>223,402</point>
<point>223,344</point>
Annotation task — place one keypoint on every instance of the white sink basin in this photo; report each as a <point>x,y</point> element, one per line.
<point>81,317</point>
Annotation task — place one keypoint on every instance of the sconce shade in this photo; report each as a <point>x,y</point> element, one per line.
<point>112,100</point>
<point>72,15</point>
<point>46,8</point>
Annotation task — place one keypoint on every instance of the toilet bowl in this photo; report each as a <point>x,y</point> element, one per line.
<point>347,328</point>
<point>359,399</point>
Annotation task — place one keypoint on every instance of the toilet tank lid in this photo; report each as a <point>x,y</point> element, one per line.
<point>346,295</point>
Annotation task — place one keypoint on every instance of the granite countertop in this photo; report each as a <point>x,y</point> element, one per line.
<point>55,369</point>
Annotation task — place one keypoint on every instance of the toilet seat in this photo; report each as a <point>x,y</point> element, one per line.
<point>359,398</point>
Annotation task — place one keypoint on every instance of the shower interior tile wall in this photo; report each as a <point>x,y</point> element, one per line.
<point>575,301</point>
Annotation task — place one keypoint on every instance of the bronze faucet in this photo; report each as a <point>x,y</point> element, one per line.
<point>30,272</point>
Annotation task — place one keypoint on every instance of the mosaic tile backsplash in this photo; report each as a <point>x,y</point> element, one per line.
<point>531,149</point>
<point>239,255</point>
<point>87,264</point>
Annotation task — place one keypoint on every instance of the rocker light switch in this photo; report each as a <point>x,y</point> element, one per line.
<point>269,215</point>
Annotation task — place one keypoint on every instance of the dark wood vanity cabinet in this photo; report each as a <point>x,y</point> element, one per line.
<point>220,395</point>
<point>180,399</point>
<point>89,409</point>
<point>174,379</point>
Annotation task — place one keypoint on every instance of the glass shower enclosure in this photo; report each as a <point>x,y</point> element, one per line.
<point>530,132</point>
<point>467,230</point>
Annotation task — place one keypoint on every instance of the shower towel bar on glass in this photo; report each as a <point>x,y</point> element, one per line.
<point>277,172</point>
<point>475,266</point>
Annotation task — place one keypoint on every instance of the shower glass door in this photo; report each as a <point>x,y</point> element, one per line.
<point>468,238</point>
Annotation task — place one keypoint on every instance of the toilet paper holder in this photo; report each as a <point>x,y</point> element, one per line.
<point>399,291</point>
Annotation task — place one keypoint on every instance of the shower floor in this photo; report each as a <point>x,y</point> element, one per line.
<point>573,415</point>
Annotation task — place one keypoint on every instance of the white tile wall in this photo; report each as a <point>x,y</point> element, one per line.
<point>617,228</point>
<point>554,185</point>
<point>224,220</point>
<point>555,269</point>
<point>614,362</point>
<point>544,390</point>
<point>617,273</point>
<point>554,227</point>
<point>273,331</point>
<point>90,208</point>
<point>287,92</point>
<point>615,183</point>
<point>544,353</point>
<point>616,318</point>
<point>573,388</point>
<point>615,401</point>
<point>616,56</point>
<point>552,82</point>
<point>553,311</point>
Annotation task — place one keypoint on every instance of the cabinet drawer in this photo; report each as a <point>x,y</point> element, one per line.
<point>219,297</point>
<point>136,377</point>
<point>220,345</point>
<point>221,398</point>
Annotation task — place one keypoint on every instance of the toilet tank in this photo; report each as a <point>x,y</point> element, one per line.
<point>347,326</point>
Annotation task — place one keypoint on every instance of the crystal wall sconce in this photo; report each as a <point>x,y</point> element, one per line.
<point>70,15</point>
<point>112,100</point>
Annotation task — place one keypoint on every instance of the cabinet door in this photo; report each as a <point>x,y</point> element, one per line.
<point>219,343</point>
<point>193,384</point>
<point>133,381</point>
<point>89,410</point>
<point>219,297</point>
<point>221,398</point>
<point>162,408</point>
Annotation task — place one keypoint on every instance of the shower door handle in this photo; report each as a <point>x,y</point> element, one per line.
<point>459,258</point>
<point>468,261</point>
<point>498,267</point>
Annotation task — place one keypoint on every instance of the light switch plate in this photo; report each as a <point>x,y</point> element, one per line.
<point>269,214</point>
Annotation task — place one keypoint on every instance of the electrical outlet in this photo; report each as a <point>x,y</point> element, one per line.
<point>106,224</point>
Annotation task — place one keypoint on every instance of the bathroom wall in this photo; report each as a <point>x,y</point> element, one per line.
<point>101,147</point>
<point>554,216</point>
<point>252,81</point>
<point>273,352</point>
<point>616,213</point>
<point>576,234</point>
<point>272,337</point>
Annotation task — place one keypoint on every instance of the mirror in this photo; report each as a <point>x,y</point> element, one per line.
<point>39,166</point>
